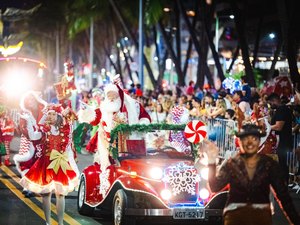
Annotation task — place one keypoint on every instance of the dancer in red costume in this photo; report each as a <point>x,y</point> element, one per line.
<point>7,129</point>
<point>32,105</point>
<point>56,170</point>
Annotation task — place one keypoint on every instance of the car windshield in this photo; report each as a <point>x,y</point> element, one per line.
<point>169,143</point>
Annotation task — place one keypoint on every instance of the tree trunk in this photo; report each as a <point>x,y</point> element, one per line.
<point>195,41</point>
<point>206,19</point>
<point>119,65</point>
<point>188,55</point>
<point>288,27</point>
<point>126,63</point>
<point>178,35</point>
<point>189,49</point>
<point>274,61</point>
<point>160,61</point>
<point>131,36</point>
<point>256,44</point>
<point>235,55</point>
<point>172,53</point>
<point>112,63</point>
<point>162,66</point>
<point>203,57</point>
<point>240,27</point>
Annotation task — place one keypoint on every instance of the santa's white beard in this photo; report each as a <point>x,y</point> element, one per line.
<point>110,106</point>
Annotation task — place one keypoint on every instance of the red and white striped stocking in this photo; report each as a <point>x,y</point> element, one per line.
<point>7,148</point>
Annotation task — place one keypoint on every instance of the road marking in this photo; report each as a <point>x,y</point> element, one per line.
<point>27,201</point>
<point>67,218</point>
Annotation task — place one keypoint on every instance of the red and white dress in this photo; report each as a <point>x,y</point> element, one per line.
<point>56,170</point>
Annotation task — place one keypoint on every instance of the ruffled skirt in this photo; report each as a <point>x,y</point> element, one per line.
<point>41,179</point>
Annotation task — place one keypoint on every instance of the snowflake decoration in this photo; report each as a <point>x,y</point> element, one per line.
<point>182,178</point>
<point>283,84</point>
<point>104,182</point>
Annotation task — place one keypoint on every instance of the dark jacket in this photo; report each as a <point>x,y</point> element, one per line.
<point>257,190</point>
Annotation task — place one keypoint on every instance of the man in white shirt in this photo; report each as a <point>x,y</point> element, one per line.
<point>243,105</point>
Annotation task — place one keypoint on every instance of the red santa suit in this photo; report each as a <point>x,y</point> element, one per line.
<point>29,150</point>
<point>130,111</point>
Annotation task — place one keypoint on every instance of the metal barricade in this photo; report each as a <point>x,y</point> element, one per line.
<point>15,116</point>
<point>222,132</point>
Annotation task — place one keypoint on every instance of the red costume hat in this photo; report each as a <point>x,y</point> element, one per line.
<point>54,108</point>
<point>26,100</point>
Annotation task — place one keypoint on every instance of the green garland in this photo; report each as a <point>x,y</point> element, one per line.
<point>125,128</point>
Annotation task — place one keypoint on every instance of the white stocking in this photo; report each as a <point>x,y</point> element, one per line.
<point>60,208</point>
<point>47,207</point>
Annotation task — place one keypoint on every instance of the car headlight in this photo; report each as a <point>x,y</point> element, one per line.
<point>204,173</point>
<point>204,193</point>
<point>166,194</point>
<point>156,173</point>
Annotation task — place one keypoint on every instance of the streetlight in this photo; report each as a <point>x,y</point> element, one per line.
<point>271,35</point>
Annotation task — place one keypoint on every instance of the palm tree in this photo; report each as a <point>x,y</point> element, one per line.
<point>288,21</point>
<point>239,20</point>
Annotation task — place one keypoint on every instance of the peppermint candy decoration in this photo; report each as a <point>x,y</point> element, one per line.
<point>195,131</point>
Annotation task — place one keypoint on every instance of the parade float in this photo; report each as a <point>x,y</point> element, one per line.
<point>152,175</point>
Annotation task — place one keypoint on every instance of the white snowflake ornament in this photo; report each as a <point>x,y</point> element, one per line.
<point>182,178</point>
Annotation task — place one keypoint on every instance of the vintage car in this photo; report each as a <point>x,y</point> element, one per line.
<point>152,176</point>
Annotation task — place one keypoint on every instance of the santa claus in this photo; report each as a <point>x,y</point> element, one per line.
<point>116,108</point>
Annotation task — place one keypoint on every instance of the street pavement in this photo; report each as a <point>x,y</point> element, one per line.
<point>15,209</point>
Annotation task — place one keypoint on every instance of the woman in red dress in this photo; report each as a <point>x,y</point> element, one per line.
<point>56,171</point>
<point>7,129</point>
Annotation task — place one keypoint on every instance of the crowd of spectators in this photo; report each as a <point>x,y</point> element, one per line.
<point>247,104</point>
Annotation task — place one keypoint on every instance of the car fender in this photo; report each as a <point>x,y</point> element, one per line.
<point>91,176</point>
<point>135,183</point>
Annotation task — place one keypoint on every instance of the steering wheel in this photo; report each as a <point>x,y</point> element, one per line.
<point>124,154</point>
<point>168,149</point>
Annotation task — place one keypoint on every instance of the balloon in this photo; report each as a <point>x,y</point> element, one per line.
<point>212,135</point>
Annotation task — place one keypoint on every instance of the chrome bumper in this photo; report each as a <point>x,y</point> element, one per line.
<point>167,212</point>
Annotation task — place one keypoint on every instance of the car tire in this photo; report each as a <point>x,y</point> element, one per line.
<point>83,208</point>
<point>120,203</point>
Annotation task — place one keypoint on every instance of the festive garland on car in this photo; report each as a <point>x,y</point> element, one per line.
<point>126,128</point>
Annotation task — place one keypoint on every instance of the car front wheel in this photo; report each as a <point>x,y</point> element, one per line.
<point>119,204</point>
<point>83,208</point>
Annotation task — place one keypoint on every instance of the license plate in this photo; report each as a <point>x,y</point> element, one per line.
<point>187,213</point>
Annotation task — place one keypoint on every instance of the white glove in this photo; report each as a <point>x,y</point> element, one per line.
<point>117,80</point>
<point>211,150</point>
<point>25,116</point>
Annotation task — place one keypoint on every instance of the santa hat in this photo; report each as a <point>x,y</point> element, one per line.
<point>115,88</point>
<point>25,100</point>
<point>54,108</point>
